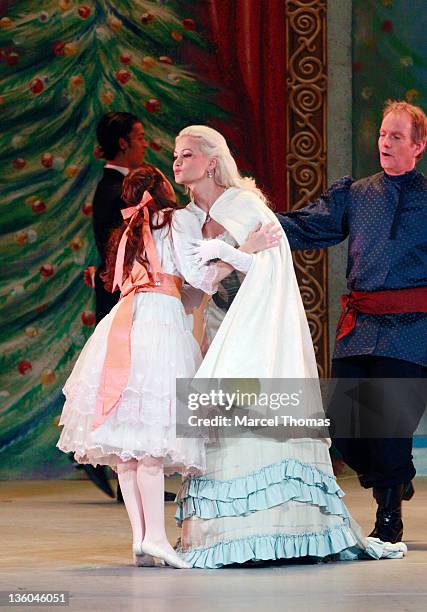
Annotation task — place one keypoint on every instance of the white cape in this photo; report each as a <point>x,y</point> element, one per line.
<point>265,333</point>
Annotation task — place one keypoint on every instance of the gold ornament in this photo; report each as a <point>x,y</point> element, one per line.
<point>65,5</point>
<point>21,237</point>
<point>47,377</point>
<point>71,171</point>
<point>31,331</point>
<point>5,23</point>
<point>76,81</point>
<point>76,244</point>
<point>148,62</point>
<point>114,23</point>
<point>107,97</point>
<point>176,36</point>
<point>412,95</point>
<point>70,49</point>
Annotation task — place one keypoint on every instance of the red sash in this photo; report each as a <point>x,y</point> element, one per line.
<point>393,301</point>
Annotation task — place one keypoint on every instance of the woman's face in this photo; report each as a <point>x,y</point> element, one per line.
<point>190,163</point>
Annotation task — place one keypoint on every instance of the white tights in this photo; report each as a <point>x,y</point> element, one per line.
<point>142,486</point>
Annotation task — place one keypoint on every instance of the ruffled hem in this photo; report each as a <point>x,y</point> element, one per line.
<point>98,455</point>
<point>271,486</point>
<point>271,547</point>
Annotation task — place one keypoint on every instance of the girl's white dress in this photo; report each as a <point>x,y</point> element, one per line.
<point>163,348</point>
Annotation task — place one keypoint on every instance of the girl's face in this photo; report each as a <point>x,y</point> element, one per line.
<point>190,163</point>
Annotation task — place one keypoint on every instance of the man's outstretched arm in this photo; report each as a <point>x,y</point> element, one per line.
<point>322,223</point>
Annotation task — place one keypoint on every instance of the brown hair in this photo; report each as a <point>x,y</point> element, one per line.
<point>145,178</point>
<point>418,117</point>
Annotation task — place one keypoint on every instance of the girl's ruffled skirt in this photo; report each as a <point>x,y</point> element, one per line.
<point>163,348</point>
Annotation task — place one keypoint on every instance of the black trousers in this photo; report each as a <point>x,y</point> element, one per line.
<point>392,405</point>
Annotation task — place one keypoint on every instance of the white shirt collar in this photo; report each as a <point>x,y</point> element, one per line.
<point>125,171</point>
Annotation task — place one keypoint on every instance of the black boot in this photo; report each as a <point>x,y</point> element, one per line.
<point>409,491</point>
<point>389,526</point>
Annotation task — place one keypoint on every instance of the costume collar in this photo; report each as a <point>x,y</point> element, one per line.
<point>202,214</point>
<point>122,169</point>
<point>402,178</point>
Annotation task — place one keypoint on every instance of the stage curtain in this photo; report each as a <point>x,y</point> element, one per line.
<point>249,67</point>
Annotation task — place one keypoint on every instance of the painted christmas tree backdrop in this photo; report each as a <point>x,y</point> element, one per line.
<point>389,61</point>
<point>63,64</point>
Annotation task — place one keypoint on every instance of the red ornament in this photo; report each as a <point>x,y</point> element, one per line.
<point>97,152</point>
<point>189,24</point>
<point>12,58</point>
<point>387,26</point>
<point>25,367</point>
<point>87,209</point>
<point>47,270</point>
<point>58,48</point>
<point>40,308</point>
<point>165,59</point>
<point>356,67</point>
<point>156,144</point>
<point>38,206</point>
<point>88,318</point>
<point>36,85</point>
<point>153,105</point>
<point>176,36</point>
<point>123,76</point>
<point>19,163</point>
<point>83,11</point>
<point>125,58</point>
<point>47,160</point>
<point>146,18</point>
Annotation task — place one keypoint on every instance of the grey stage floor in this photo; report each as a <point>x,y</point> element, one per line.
<point>65,535</point>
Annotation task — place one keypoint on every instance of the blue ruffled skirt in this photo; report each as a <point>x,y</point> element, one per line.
<point>289,508</point>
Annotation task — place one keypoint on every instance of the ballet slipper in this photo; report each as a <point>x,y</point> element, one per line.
<point>140,558</point>
<point>171,558</point>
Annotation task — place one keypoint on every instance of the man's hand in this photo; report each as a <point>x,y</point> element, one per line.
<point>262,238</point>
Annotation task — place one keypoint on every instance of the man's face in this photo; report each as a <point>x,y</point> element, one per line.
<point>398,152</point>
<point>135,146</point>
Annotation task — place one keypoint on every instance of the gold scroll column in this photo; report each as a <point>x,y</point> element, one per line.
<point>306,154</point>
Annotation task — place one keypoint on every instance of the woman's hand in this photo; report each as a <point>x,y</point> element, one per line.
<point>205,250</point>
<point>262,238</point>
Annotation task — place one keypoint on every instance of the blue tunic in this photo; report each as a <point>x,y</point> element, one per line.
<point>385,220</point>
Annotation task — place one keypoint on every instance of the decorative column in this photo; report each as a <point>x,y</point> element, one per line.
<point>306,158</point>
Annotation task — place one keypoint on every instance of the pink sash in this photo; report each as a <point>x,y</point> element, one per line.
<point>115,372</point>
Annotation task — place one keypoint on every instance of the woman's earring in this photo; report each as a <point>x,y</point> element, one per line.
<point>209,173</point>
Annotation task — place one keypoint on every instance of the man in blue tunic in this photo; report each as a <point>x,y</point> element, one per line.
<point>382,333</point>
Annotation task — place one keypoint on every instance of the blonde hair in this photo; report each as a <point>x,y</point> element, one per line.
<point>418,117</point>
<point>213,144</point>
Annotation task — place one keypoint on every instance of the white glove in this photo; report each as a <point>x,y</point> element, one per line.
<point>206,250</point>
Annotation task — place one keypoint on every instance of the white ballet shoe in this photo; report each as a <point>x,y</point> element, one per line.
<point>171,558</point>
<point>140,558</point>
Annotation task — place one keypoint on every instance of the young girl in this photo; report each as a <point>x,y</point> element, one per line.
<point>120,397</point>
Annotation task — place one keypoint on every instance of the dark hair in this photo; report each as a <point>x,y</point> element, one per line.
<point>145,178</point>
<point>111,128</point>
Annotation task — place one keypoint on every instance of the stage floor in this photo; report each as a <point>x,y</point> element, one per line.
<point>65,535</point>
